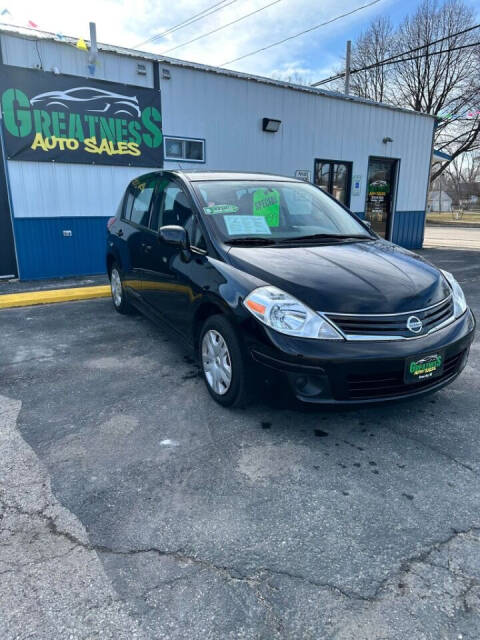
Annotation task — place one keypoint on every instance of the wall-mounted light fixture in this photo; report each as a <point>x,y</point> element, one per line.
<point>166,74</point>
<point>387,139</point>
<point>271,125</point>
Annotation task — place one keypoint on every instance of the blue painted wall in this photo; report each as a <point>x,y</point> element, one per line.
<point>44,252</point>
<point>408,229</point>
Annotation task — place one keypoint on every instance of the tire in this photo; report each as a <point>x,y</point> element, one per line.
<point>220,352</point>
<point>119,297</point>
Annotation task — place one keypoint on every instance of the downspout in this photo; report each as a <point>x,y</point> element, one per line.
<point>435,125</point>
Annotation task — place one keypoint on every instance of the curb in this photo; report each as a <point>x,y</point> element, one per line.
<point>49,296</point>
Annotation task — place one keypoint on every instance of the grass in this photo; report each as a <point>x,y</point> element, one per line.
<point>452,217</point>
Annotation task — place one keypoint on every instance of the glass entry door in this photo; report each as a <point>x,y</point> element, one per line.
<point>380,194</point>
<point>335,177</point>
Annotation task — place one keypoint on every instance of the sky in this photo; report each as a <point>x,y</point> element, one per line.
<point>127,23</point>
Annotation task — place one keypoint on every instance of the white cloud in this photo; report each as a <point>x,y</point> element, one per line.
<point>127,22</point>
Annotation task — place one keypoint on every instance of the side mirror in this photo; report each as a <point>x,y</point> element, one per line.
<point>176,235</point>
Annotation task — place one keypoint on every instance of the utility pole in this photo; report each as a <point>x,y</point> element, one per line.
<point>347,67</point>
<point>93,53</point>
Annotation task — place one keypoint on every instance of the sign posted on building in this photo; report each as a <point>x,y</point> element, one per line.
<point>303,174</point>
<point>49,117</point>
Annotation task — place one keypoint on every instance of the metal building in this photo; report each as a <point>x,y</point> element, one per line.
<point>76,131</point>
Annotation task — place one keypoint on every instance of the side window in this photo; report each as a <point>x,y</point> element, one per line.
<point>171,207</point>
<point>139,197</point>
<point>155,220</point>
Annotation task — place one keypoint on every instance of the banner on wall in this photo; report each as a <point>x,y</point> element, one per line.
<point>49,117</point>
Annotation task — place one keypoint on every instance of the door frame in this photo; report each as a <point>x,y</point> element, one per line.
<point>348,164</point>
<point>395,172</point>
<point>6,202</point>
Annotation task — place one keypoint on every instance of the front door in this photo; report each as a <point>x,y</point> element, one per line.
<point>380,193</point>
<point>166,283</point>
<point>8,263</point>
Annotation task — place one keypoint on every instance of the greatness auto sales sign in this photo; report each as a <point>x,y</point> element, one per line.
<point>68,119</point>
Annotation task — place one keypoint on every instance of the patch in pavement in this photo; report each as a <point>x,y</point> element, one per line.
<point>53,583</point>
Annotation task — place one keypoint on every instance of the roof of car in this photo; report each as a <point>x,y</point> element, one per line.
<point>197,176</point>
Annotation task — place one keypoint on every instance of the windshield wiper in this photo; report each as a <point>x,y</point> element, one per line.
<point>326,236</point>
<point>248,240</point>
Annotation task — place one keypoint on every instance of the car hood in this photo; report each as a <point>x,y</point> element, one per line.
<point>357,277</point>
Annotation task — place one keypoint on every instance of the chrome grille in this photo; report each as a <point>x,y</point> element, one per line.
<point>388,326</point>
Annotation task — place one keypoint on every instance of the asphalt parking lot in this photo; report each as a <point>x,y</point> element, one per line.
<point>134,507</point>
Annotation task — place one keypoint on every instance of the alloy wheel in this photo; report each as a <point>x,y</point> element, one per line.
<point>217,363</point>
<point>116,285</point>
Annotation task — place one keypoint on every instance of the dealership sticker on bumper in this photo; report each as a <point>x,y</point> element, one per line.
<point>420,368</point>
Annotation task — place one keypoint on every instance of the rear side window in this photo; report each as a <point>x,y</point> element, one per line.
<point>138,200</point>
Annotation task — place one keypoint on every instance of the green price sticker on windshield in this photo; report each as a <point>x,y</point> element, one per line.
<point>266,203</point>
<point>220,208</point>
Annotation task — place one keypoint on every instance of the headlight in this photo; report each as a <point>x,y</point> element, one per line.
<point>286,314</point>
<point>459,302</point>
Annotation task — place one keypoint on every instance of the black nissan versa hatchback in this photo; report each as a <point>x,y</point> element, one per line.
<point>268,277</point>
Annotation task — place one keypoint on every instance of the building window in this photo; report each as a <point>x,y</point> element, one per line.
<point>335,177</point>
<point>187,149</point>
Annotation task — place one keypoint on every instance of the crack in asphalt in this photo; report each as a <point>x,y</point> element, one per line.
<point>256,579</point>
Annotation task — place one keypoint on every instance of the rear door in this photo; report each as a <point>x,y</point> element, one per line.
<point>137,235</point>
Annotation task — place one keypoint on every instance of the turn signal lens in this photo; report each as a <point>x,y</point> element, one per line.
<point>256,306</point>
<point>284,313</point>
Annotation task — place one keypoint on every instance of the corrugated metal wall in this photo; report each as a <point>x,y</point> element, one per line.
<point>227,112</point>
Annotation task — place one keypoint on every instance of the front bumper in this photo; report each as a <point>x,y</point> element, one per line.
<point>342,372</point>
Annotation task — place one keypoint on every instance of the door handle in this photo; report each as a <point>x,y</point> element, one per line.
<point>120,233</point>
<point>147,247</point>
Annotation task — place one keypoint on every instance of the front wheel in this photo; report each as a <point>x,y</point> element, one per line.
<point>223,363</point>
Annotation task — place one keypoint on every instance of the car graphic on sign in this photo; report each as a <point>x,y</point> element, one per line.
<point>100,101</point>
<point>427,359</point>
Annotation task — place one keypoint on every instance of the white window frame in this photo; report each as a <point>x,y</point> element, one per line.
<point>183,140</point>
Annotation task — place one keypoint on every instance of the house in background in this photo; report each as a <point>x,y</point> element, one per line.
<point>439,200</point>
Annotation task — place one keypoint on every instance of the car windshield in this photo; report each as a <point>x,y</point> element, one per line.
<point>271,212</point>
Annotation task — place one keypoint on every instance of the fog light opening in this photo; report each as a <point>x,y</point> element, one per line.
<point>311,386</point>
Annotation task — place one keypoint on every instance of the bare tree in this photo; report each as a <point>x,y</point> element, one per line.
<point>441,79</point>
<point>444,84</point>
<point>461,178</point>
<point>373,45</point>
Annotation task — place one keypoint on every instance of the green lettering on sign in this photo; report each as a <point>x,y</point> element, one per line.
<point>16,112</point>
<point>266,203</point>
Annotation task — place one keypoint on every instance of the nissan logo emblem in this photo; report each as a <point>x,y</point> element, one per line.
<point>414,324</point>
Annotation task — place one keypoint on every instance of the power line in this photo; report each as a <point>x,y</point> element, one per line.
<point>426,55</point>
<point>393,58</point>
<point>195,18</point>
<point>204,35</point>
<point>301,33</point>
<point>423,55</point>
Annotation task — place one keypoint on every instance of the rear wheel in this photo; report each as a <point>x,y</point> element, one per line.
<point>223,363</point>
<point>118,293</point>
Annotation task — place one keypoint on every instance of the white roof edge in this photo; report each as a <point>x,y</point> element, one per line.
<point>32,34</point>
